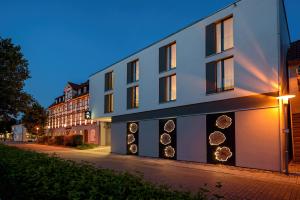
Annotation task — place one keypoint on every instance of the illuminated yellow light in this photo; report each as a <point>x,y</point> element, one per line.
<point>133,148</point>
<point>223,154</point>
<point>169,126</point>
<point>223,122</point>
<point>130,138</point>
<point>216,138</point>
<point>133,127</point>
<point>169,152</point>
<point>285,98</point>
<point>165,139</point>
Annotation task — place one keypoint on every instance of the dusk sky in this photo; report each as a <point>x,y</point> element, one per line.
<point>68,40</point>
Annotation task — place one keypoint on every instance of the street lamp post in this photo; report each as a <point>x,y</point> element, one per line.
<point>286,130</point>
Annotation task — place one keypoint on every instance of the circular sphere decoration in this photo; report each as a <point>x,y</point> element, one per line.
<point>223,154</point>
<point>165,139</point>
<point>223,121</point>
<point>133,127</point>
<point>130,138</point>
<point>133,148</point>
<point>216,138</point>
<point>169,152</point>
<point>169,126</point>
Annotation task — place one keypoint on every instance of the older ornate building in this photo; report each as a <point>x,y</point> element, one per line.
<point>70,114</point>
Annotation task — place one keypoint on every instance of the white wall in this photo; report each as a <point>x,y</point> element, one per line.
<point>118,138</point>
<point>257,139</point>
<point>149,138</point>
<point>191,138</point>
<point>255,54</point>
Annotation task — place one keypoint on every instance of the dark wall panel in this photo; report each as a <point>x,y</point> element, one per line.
<point>220,131</point>
<point>167,138</point>
<point>266,100</point>
<point>132,138</point>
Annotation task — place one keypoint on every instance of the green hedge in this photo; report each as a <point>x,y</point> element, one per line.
<point>59,140</point>
<point>73,140</point>
<point>30,175</point>
<point>67,140</point>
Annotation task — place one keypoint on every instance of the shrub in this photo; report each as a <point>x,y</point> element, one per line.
<point>59,140</point>
<point>43,139</point>
<point>68,140</point>
<point>77,140</point>
<point>73,140</point>
<point>29,175</point>
<point>51,140</point>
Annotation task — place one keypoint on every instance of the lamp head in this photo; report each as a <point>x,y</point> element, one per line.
<point>285,98</point>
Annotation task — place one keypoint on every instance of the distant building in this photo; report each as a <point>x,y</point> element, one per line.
<point>20,133</point>
<point>70,114</point>
<point>294,88</point>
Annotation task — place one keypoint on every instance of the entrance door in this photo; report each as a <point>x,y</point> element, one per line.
<point>108,136</point>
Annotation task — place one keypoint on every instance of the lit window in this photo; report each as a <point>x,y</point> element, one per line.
<point>133,97</point>
<point>167,57</point>
<point>220,75</point>
<point>108,103</point>
<point>224,35</point>
<point>228,71</point>
<point>133,71</point>
<point>219,36</point>
<point>167,88</point>
<point>109,81</point>
<point>171,56</point>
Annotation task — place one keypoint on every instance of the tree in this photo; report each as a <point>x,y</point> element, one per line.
<point>34,119</point>
<point>13,72</point>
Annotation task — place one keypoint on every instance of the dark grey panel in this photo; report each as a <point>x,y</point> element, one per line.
<point>210,39</point>
<point>162,59</point>
<point>211,77</point>
<point>227,105</point>
<point>129,73</point>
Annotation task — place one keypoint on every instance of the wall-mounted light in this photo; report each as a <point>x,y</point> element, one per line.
<point>285,98</point>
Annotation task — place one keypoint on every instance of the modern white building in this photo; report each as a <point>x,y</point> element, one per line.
<point>207,93</point>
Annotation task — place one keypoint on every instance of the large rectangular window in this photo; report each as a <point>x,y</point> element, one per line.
<point>133,71</point>
<point>133,97</point>
<point>220,75</point>
<point>108,103</point>
<point>167,88</point>
<point>219,36</point>
<point>167,57</point>
<point>109,81</point>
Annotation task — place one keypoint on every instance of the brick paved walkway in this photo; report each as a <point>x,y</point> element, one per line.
<point>238,183</point>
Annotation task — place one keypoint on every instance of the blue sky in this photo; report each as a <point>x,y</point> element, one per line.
<point>68,40</point>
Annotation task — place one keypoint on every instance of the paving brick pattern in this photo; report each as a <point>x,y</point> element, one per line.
<point>238,183</point>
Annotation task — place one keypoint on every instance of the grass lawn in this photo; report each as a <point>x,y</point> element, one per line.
<point>30,175</point>
<point>86,146</point>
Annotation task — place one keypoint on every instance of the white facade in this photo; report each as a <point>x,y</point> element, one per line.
<point>256,61</point>
<point>260,46</point>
